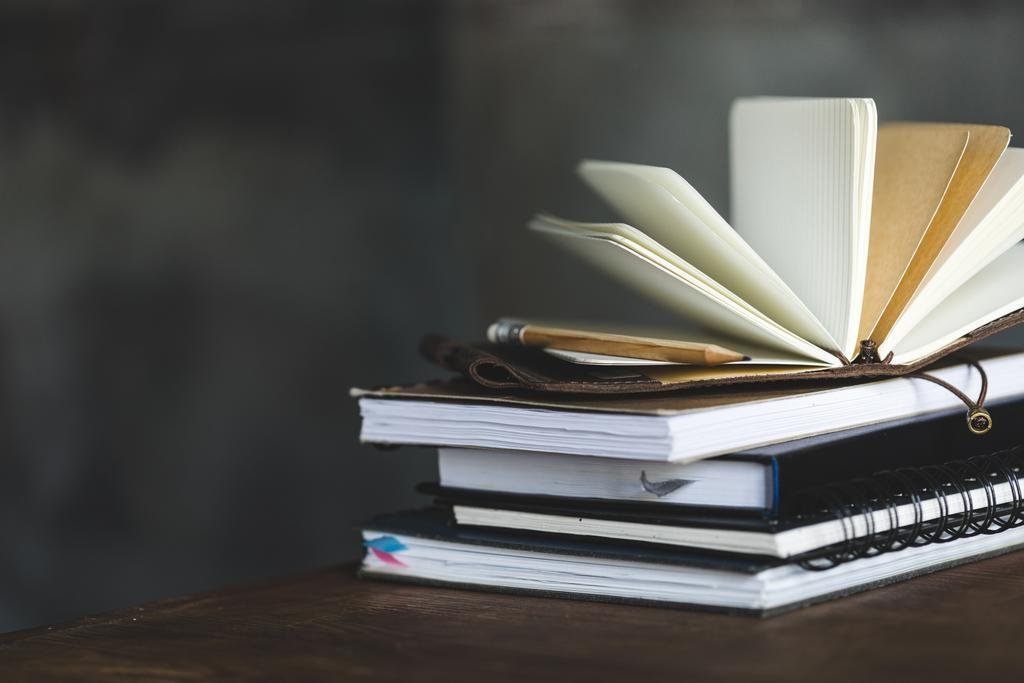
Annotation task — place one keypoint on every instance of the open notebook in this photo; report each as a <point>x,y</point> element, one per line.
<point>906,235</point>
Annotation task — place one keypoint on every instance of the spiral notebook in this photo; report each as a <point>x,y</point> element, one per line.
<point>820,517</point>
<point>867,532</point>
<point>423,547</point>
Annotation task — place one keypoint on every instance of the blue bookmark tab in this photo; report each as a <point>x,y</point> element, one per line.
<point>385,544</point>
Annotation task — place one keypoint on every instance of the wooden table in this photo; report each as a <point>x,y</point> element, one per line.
<point>953,625</point>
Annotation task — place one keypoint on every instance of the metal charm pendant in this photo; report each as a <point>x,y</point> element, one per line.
<point>979,421</point>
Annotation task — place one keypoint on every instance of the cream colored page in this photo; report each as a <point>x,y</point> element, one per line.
<point>993,223</point>
<point>765,357</point>
<point>986,219</point>
<point>671,374</point>
<point>800,200</point>
<point>642,197</point>
<point>913,166</point>
<point>992,293</point>
<point>985,145</point>
<point>680,293</point>
<point>688,196</point>
<point>866,125</point>
<point>644,246</point>
<point>644,241</point>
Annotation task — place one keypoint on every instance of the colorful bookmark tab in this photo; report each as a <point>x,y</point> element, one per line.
<point>384,547</point>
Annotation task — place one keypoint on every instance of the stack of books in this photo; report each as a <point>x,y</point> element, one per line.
<point>809,441</point>
<point>679,500</point>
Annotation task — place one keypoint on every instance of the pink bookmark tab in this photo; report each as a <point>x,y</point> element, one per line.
<point>388,558</point>
<point>384,549</point>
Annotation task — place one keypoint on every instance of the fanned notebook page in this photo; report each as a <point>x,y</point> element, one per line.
<point>913,166</point>
<point>665,207</point>
<point>985,145</point>
<point>993,292</point>
<point>843,233</point>
<point>994,222</point>
<point>661,276</point>
<point>801,197</point>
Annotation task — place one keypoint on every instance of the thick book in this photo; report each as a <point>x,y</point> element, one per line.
<point>682,427</point>
<point>853,250</point>
<point>424,547</point>
<point>764,482</point>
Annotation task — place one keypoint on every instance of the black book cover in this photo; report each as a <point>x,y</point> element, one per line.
<point>797,467</point>
<point>436,523</point>
<point>914,442</point>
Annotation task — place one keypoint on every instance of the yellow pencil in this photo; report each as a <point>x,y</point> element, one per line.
<point>628,346</point>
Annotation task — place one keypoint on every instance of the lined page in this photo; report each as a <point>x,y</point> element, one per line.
<point>663,205</point>
<point>801,197</point>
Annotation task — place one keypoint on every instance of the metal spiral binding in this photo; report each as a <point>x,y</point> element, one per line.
<point>861,499</point>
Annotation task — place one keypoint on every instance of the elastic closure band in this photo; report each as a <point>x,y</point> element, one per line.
<point>979,421</point>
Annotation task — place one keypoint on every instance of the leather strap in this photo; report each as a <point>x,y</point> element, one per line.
<point>979,421</point>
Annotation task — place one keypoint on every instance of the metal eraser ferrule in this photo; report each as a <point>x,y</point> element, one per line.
<point>506,332</point>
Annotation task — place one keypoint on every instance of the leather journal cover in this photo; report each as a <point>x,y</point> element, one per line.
<point>505,367</point>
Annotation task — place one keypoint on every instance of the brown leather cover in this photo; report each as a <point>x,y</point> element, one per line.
<point>498,366</point>
<point>514,367</point>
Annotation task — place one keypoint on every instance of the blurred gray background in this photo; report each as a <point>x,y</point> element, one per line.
<point>217,217</point>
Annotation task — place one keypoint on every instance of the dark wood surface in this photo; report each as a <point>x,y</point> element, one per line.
<point>962,624</point>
